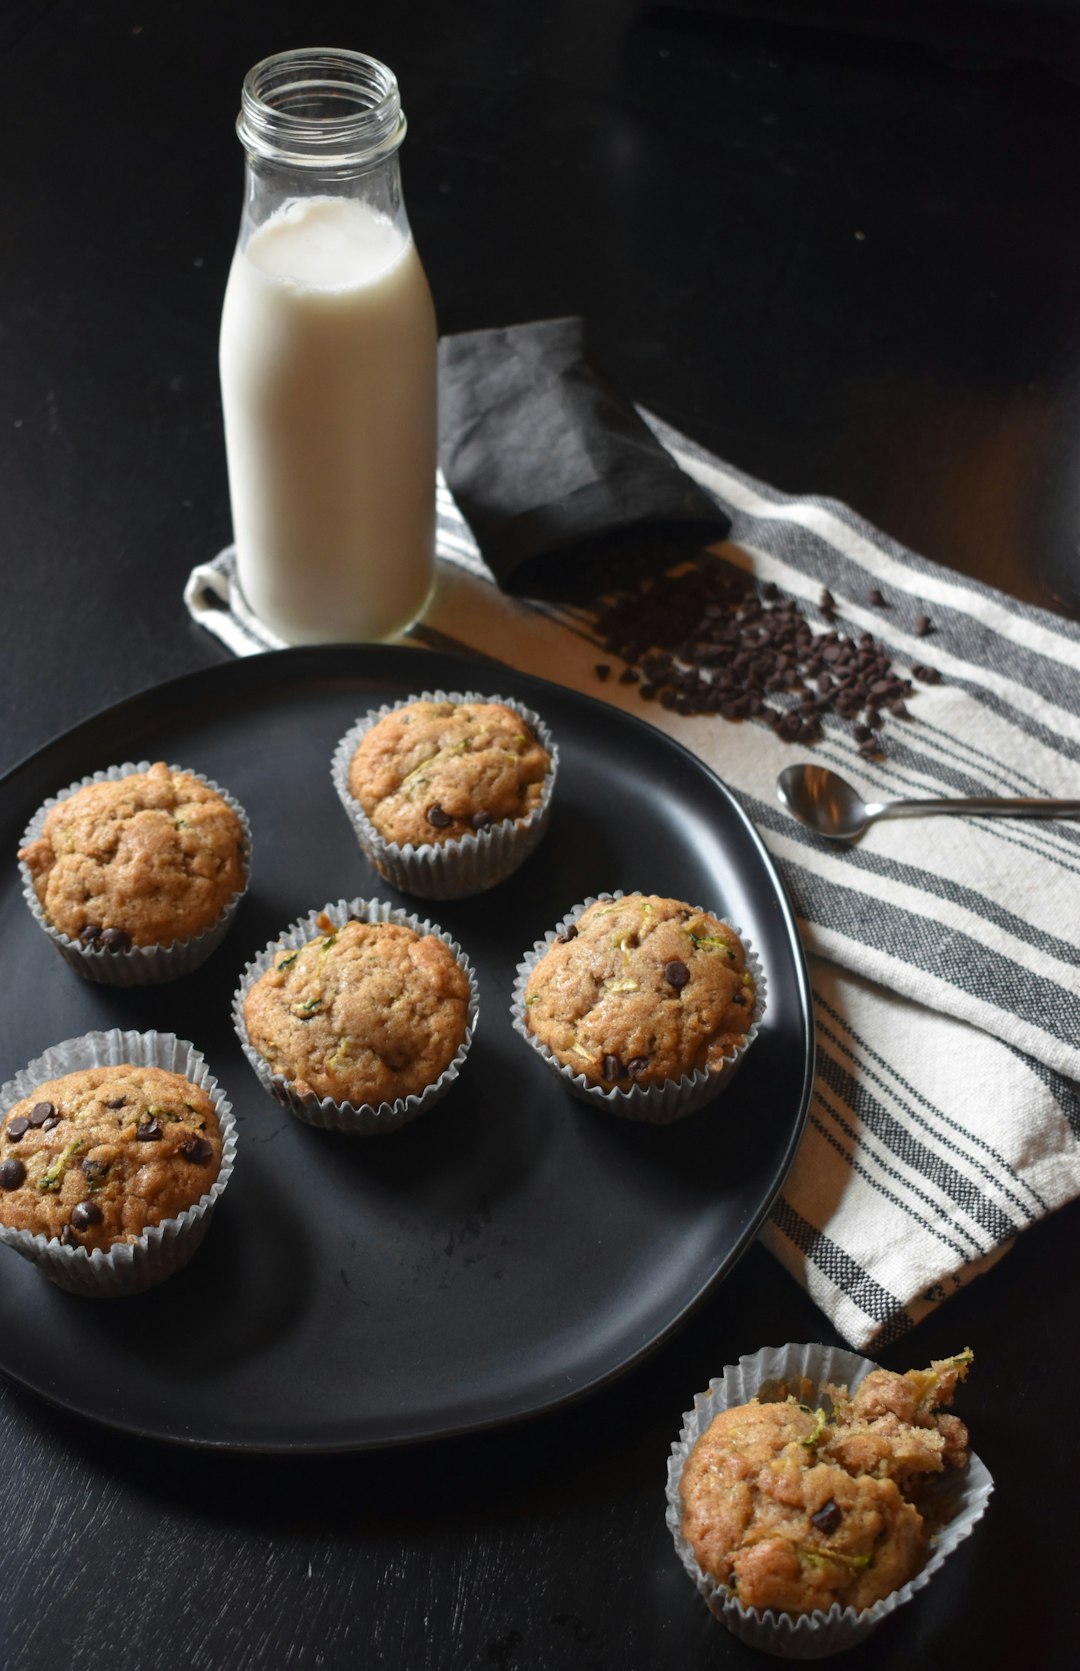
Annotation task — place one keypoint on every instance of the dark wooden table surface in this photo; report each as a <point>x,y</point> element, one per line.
<point>843,252</point>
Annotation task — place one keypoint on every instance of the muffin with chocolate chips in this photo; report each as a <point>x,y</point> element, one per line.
<point>447,793</point>
<point>135,873</point>
<point>644,1004</point>
<point>359,1018</point>
<point>109,1157</point>
<point>814,1506</point>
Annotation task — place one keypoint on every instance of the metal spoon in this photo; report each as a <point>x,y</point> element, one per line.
<point>827,803</point>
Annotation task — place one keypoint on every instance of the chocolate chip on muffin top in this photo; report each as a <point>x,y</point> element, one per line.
<point>642,990</point>
<point>437,771</point>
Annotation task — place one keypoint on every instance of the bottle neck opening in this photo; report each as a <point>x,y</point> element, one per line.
<point>321,109</point>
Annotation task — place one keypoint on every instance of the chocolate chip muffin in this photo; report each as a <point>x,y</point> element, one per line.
<point>796,1508</point>
<point>137,861</point>
<point>436,771</point>
<point>447,793</point>
<point>373,1010</point>
<point>639,991</point>
<point>97,1156</point>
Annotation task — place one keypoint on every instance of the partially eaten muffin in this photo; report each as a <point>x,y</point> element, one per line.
<point>795,1508</point>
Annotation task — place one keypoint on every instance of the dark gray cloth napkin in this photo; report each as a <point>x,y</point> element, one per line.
<point>549,462</point>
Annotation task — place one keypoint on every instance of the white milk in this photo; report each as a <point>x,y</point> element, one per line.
<point>328,382</point>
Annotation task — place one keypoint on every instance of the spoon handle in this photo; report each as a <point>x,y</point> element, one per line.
<point>990,806</point>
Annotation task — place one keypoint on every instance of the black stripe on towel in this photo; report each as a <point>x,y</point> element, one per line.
<point>997,1169</point>
<point>906,1202</point>
<point>840,1269</point>
<point>937,949</point>
<point>913,1153</point>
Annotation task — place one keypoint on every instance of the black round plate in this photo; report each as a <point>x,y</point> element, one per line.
<point>509,1252</point>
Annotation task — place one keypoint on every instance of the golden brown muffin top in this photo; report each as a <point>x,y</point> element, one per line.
<point>137,861</point>
<point>365,1013</point>
<point>437,771</point>
<point>98,1156</point>
<point>641,990</point>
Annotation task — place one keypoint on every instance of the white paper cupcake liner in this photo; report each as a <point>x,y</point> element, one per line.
<point>139,965</point>
<point>128,1267</point>
<point>449,869</point>
<point>961,1497</point>
<point>648,1104</point>
<point>361,1119</point>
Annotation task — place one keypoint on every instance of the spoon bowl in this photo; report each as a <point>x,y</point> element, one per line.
<point>828,804</point>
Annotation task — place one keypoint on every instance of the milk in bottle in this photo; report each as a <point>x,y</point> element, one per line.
<point>328,359</point>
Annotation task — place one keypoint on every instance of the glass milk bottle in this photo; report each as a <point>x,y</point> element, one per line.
<point>328,358</point>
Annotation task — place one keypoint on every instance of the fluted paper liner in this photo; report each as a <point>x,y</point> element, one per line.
<point>448,869</point>
<point>127,1267</point>
<point>139,965</point>
<point>648,1104</point>
<point>811,1635</point>
<point>364,1119</point>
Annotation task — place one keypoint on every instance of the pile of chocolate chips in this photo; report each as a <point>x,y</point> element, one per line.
<point>699,641</point>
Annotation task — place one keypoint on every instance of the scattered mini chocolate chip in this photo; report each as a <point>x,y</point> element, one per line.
<point>88,934</point>
<point>676,973</point>
<point>828,1517</point>
<point>117,1102</point>
<point>41,1112</point>
<point>94,1171</point>
<point>115,940</point>
<point>926,675</point>
<point>17,1128</point>
<point>84,1214</point>
<point>899,709</point>
<point>612,1068</point>
<point>603,671</point>
<point>738,998</point>
<point>636,1066</point>
<point>68,1237</point>
<point>197,1150</point>
<point>437,818</point>
<point>567,934</point>
<point>877,598</point>
<point>12,1174</point>
<point>481,820</point>
<point>923,625</point>
<point>701,643</point>
<point>50,1123</point>
<point>629,676</point>
<point>148,1131</point>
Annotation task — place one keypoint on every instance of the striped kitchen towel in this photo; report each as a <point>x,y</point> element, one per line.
<point>944,953</point>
